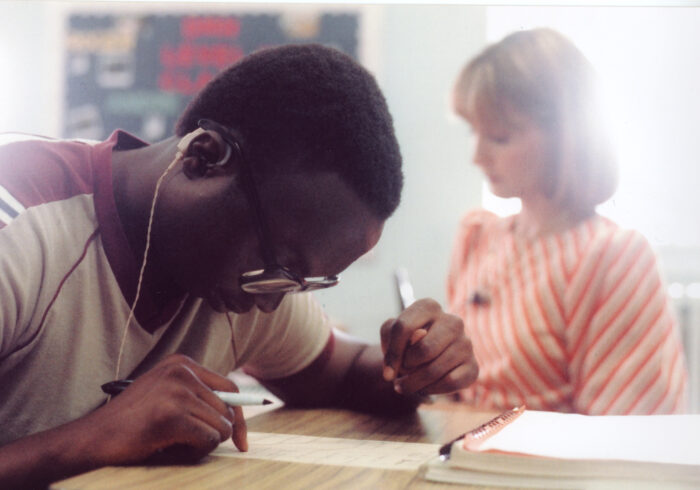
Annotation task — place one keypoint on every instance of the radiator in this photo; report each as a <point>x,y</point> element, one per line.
<point>686,299</point>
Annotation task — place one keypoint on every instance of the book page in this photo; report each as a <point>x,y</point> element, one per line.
<point>650,438</point>
<point>332,451</point>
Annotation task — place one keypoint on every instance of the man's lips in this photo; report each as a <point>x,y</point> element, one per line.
<point>215,301</point>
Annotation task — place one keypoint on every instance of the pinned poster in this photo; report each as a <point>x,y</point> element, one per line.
<point>138,70</point>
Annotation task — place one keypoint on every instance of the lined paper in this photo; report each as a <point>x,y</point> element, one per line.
<point>293,448</point>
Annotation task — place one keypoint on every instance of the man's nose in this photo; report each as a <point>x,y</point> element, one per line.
<point>268,302</point>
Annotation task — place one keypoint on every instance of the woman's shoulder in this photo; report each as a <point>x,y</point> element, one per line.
<point>608,236</point>
<point>477,227</point>
<point>480,218</point>
<point>475,223</point>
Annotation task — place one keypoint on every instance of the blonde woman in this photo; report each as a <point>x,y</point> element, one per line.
<point>566,310</point>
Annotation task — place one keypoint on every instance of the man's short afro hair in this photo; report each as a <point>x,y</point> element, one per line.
<point>309,108</point>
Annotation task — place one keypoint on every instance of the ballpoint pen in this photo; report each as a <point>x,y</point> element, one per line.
<point>230,398</point>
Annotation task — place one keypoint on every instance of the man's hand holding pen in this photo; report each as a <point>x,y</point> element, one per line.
<point>171,406</point>
<point>426,351</point>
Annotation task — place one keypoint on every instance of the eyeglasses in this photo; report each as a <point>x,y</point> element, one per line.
<point>274,278</point>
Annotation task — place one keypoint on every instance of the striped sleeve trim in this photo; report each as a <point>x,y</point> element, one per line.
<point>10,207</point>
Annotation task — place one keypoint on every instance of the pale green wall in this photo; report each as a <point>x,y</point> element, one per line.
<point>422,49</point>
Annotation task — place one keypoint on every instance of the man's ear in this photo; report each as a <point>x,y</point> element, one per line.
<point>204,153</point>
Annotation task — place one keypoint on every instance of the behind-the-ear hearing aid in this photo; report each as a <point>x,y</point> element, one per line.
<point>189,137</point>
<point>186,140</point>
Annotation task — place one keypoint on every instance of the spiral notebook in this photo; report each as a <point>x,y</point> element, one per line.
<point>532,449</point>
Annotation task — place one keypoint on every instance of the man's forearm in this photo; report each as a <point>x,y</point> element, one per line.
<point>351,378</point>
<point>364,388</point>
<point>41,458</point>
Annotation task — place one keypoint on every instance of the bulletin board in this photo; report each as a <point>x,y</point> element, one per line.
<point>138,71</point>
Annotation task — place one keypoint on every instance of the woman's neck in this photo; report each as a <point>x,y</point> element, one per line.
<point>541,216</point>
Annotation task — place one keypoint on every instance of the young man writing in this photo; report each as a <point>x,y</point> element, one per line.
<point>170,263</point>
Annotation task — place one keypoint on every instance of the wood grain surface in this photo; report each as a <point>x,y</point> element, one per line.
<point>436,423</point>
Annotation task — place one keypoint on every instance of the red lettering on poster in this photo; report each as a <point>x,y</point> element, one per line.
<point>206,48</point>
<point>187,55</point>
<point>184,82</point>
<point>212,27</point>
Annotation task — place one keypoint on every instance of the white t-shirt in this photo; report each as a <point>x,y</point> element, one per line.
<point>67,280</point>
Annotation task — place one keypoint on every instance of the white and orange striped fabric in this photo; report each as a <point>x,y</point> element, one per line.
<point>577,321</point>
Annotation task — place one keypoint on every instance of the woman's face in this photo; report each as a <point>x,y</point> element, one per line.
<point>514,154</point>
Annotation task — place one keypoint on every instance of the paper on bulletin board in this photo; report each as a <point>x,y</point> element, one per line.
<point>387,455</point>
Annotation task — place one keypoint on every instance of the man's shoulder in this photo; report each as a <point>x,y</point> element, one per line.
<point>36,171</point>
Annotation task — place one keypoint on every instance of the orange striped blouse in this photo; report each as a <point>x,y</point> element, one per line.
<point>577,321</point>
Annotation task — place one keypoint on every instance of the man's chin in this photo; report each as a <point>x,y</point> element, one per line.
<point>220,305</point>
<point>238,309</point>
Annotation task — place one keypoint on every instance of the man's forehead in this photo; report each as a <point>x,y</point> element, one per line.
<point>320,216</point>
<point>337,251</point>
<point>312,193</point>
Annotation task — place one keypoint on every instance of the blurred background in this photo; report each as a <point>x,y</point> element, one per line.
<point>82,69</point>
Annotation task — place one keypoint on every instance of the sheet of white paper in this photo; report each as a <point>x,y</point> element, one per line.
<point>651,438</point>
<point>332,451</point>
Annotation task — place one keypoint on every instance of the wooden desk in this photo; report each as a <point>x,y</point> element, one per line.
<point>435,423</point>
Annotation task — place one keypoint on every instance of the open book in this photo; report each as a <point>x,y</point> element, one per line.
<point>556,450</point>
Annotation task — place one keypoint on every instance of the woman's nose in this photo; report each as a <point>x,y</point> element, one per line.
<point>481,153</point>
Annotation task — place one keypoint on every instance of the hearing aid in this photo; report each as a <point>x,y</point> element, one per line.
<point>185,141</point>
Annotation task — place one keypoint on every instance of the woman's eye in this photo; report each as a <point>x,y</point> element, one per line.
<point>500,139</point>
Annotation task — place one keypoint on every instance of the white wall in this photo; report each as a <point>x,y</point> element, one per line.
<point>28,92</point>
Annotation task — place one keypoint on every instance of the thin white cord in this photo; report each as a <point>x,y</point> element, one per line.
<point>178,156</point>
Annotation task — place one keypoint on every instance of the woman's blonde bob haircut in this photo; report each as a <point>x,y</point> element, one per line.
<point>541,74</point>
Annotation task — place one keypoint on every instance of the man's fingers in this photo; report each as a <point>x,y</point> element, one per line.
<point>201,436</point>
<point>205,405</point>
<point>240,430</point>
<point>417,336</point>
<point>461,376</point>
<point>221,422</point>
<point>445,332</point>
<point>385,333</point>
<point>401,333</point>
<point>452,370</point>
<point>212,379</point>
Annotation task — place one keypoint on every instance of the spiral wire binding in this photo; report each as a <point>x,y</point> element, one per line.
<point>483,431</point>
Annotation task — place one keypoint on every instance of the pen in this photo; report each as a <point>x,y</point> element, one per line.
<point>404,288</point>
<point>230,398</point>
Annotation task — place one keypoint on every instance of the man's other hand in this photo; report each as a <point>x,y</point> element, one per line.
<point>426,351</point>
